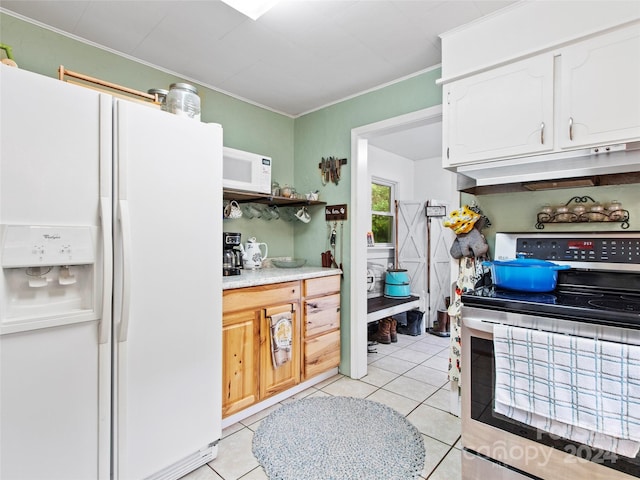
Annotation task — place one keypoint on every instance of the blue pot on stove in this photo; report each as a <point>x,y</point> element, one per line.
<point>396,284</point>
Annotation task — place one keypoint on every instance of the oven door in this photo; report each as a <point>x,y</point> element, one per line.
<point>499,448</point>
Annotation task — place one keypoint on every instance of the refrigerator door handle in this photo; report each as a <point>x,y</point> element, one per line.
<point>107,270</point>
<point>126,269</point>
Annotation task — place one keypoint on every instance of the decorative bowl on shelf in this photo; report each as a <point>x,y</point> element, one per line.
<point>288,262</point>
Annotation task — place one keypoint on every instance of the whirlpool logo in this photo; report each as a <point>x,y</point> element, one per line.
<point>51,236</point>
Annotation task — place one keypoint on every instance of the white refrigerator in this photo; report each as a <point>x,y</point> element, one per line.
<point>110,289</point>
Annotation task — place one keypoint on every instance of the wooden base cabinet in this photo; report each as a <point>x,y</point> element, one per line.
<point>248,372</point>
<point>321,325</point>
<point>249,375</point>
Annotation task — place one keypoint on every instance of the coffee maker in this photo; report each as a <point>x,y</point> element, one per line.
<point>231,254</point>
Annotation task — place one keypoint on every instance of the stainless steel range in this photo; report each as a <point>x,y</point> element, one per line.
<point>597,298</point>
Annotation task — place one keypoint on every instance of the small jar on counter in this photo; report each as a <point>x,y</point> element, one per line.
<point>183,100</point>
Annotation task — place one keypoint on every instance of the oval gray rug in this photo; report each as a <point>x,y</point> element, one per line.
<point>338,438</point>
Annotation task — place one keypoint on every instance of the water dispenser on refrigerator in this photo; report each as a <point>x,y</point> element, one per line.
<point>48,276</point>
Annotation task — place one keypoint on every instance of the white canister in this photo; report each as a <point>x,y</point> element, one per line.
<point>183,99</point>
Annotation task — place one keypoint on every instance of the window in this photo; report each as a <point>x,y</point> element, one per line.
<point>382,211</point>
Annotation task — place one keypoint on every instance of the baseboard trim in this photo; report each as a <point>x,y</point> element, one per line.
<point>268,402</point>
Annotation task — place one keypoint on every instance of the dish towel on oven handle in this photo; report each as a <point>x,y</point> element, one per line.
<point>281,329</point>
<point>578,388</point>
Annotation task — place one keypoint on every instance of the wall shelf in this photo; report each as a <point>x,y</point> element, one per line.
<point>586,213</point>
<point>267,199</point>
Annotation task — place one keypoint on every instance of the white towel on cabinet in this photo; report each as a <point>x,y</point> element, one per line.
<point>577,388</point>
<point>281,328</point>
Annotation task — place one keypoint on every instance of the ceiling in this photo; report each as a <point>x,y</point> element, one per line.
<point>419,142</point>
<point>298,57</point>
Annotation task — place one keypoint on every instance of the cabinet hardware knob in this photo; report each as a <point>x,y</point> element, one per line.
<point>313,305</point>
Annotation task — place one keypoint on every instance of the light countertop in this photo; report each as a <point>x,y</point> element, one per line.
<point>266,276</point>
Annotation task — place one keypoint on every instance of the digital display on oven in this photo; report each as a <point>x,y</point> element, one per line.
<point>580,244</point>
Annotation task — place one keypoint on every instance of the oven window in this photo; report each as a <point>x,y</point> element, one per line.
<point>482,387</point>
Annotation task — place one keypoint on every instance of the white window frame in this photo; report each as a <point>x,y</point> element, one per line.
<point>392,211</point>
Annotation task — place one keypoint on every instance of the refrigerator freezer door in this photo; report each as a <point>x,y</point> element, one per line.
<point>167,291</point>
<point>54,372</point>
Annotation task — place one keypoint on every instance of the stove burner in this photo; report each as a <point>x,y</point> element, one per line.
<point>617,305</point>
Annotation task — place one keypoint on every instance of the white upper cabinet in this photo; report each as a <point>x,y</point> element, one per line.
<point>507,111</point>
<point>584,94</point>
<point>600,94</point>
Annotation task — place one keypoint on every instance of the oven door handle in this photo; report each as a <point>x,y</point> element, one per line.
<point>477,324</point>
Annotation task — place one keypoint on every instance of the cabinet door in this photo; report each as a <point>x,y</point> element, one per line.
<point>276,379</point>
<point>240,336</point>
<point>600,96</point>
<point>503,112</point>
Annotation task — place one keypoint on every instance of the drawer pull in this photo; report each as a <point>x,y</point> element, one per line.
<point>312,305</point>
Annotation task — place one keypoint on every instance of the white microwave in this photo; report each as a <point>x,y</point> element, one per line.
<point>246,171</point>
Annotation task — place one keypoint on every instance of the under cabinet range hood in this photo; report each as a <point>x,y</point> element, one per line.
<point>587,167</point>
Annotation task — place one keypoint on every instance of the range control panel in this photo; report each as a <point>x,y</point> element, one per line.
<point>579,250</point>
<point>608,250</point>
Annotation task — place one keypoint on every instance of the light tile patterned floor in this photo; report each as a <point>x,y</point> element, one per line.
<point>409,376</point>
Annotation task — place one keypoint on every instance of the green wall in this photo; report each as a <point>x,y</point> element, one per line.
<point>327,133</point>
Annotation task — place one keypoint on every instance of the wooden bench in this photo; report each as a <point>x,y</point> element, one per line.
<point>381,307</point>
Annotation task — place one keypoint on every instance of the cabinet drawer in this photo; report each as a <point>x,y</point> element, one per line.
<point>260,297</point>
<point>321,315</point>
<point>321,286</point>
<point>321,354</point>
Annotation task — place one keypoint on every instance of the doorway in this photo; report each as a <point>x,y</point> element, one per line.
<point>379,134</point>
